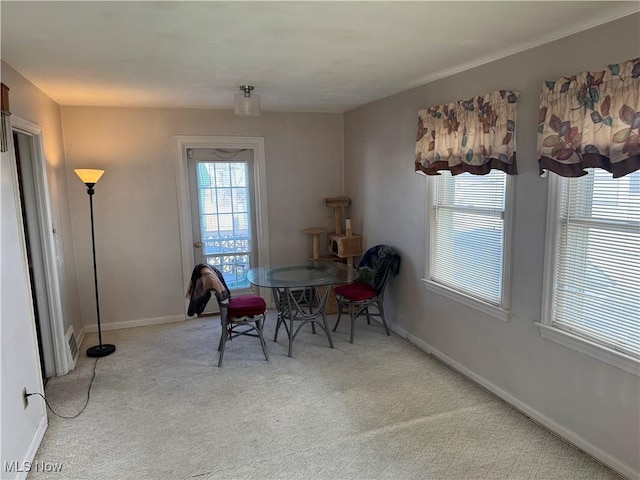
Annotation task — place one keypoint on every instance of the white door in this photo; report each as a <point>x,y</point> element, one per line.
<point>223,213</point>
<point>25,159</point>
<point>28,152</point>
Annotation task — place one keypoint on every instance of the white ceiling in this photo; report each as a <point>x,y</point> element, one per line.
<point>301,56</point>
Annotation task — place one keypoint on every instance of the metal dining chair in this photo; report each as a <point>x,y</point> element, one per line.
<point>376,267</point>
<point>242,315</point>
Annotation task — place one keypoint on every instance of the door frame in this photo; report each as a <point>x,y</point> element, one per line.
<point>182,144</point>
<point>46,242</point>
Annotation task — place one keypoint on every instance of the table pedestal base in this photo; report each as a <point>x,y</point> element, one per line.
<point>302,306</point>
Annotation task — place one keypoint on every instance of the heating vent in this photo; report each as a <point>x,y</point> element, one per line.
<point>73,346</point>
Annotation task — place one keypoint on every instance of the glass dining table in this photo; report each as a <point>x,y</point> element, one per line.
<point>300,293</point>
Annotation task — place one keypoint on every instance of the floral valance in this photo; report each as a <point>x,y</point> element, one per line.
<point>474,135</point>
<point>591,119</point>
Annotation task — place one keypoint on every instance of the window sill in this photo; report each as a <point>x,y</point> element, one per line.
<point>607,355</point>
<point>492,310</point>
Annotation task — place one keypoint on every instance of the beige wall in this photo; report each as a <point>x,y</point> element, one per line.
<point>22,428</point>
<point>136,205</point>
<point>596,402</point>
<point>29,103</point>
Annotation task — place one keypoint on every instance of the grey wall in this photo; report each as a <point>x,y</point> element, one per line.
<point>136,205</point>
<point>595,402</point>
<point>139,249</point>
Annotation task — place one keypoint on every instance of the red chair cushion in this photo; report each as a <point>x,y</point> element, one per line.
<point>356,291</point>
<point>246,305</point>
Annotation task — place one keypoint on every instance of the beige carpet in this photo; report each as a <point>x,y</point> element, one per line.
<point>381,408</point>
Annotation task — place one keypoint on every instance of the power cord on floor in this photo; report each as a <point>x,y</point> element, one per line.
<point>85,404</point>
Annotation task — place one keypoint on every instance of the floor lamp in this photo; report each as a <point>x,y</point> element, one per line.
<point>90,177</point>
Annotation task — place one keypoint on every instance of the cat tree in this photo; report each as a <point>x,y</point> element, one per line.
<point>340,245</point>
<point>343,245</point>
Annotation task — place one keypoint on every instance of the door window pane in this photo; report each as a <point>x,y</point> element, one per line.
<point>223,192</point>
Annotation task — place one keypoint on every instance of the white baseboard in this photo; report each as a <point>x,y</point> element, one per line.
<point>143,322</point>
<point>33,446</point>
<point>563,432</point>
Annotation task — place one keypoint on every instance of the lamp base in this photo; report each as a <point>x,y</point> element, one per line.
<point>101,350</point>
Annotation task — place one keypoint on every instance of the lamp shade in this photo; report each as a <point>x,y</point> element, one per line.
<point>88,175</point>
<point>246,104</point>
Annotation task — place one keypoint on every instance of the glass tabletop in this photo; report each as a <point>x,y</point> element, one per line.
<point>310,274</point>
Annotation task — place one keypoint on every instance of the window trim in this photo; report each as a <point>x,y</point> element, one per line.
<point>547,330</point>
<point>501,311</point>
<point>475,303</point>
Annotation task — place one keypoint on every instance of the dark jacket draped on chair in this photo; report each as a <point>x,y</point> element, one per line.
<point>376,264</point>
<point>204,279</point>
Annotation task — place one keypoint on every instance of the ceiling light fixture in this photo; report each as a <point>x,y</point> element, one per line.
<point>245,104</point>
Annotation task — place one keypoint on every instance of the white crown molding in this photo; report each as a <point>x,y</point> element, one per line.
<point>623,11</point>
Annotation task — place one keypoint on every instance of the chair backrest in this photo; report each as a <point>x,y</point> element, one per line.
<point>377,265</point>
<point>223,296</point>
<point>204,280</point>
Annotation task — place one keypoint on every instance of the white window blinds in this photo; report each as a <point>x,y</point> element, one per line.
<point>467,234</point>
<point>596,292</point>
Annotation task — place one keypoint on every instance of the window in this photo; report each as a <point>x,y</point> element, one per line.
<point>225,218</point>
<point>593,261</point>
<point>468,251</point>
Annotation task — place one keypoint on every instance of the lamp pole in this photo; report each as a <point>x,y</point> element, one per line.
<point>90,178</point>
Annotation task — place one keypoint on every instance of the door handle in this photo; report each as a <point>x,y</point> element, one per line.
<point>198,244</point>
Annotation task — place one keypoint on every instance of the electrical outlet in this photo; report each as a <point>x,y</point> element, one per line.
<point>25,399</point>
